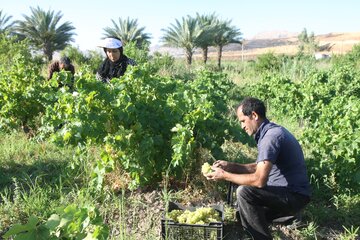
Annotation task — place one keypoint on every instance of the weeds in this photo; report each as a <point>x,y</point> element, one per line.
<point>309,232</point>
<point>38,177</point>
<point>350,234</point>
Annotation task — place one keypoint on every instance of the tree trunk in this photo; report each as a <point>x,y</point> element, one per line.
<point>48,56</point>
<point>189,57</point>
<point>47,52</point>
<point>219,55</point>
<point>205,54</point>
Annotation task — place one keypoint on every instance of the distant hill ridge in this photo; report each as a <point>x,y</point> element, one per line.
<point>277,42</point>
<point>274,35</point>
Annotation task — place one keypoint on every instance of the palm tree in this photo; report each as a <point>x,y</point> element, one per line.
<point>43,32</point>
<point>128,31</point>
<point>184,35</point>
<point>208,24</point>
<point>225,35</point>
<point>5,25</point>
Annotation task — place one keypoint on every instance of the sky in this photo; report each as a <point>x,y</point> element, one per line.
<point>251,17</point>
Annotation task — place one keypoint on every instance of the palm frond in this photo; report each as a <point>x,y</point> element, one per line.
<point>128,31</point>
<point>43,30</point>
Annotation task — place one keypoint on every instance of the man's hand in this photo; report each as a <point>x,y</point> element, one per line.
<point>225,165</point>
<point>216,175</point>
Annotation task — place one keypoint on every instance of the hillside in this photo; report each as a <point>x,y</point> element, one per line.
<point>279,43</point>
<point>332,43</point>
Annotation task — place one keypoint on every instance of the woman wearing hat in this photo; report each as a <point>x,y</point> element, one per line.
<point>115,63</point>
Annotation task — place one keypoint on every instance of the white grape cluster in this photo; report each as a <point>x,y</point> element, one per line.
<point>203,215</point>
<point>206,168</point>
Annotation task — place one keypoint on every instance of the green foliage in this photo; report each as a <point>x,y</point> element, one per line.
<point>225,34</point>
<point>327,104</point>
<point>184,34</point>
<point>11,49</point>
<point>337,99</point>
<point>347,204</point>
<point>44,32</point>
<point>5,22</point>
<point>21,158</point>
<point>21,88</point>
<point>128,31</point>
<point>94,60</point>
<point>30,230</point>
<point>354,54</point>
<point>309,232</point>
<point>307,42</point>
<point>351,233</point>
<point>75,55</point>
<point>70,222</point>
<point>91,59</point>
<point>139,53</point>
<point>275,90</point>
<point>267,62</point>
<point>36,177</point>
<point>151,126</point>
<point>162,62</point>
<point>208,23</point>
<point>351,58</point>
<point>149,122</point>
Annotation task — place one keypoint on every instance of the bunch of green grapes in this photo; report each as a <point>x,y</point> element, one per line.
<point>203,215</point>
<point>174,214</point>
<point>206,168</point>
<point>183,218</point>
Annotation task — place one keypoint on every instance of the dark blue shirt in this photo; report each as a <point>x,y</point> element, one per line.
<point>280,147</point>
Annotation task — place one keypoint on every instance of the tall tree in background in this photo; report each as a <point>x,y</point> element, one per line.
<point>128,31</point>
<point>225,34</point>
<point>44,32</point>
<point>5,24</point>
<point>184,34</point>
<point>206,39</point>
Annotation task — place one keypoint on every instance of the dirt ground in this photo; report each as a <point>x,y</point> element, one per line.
<point>145,210</point>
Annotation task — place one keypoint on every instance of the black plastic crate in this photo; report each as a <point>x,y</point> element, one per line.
<point>171,230</point>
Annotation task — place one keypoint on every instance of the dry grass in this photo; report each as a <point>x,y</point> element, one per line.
<point>340,43</point>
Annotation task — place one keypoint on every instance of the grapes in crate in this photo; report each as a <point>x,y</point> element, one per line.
<point>203,215</point>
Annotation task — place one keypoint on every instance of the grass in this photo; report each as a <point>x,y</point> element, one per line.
<point>36,179</point>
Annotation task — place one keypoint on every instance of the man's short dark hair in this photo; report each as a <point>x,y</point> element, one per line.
<point>250,104</point>
<point>65,60</point>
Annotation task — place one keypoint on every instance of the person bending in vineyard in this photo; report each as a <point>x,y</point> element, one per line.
<point>63,64</point>
<point>116,61</point>
<point>276,184</point>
